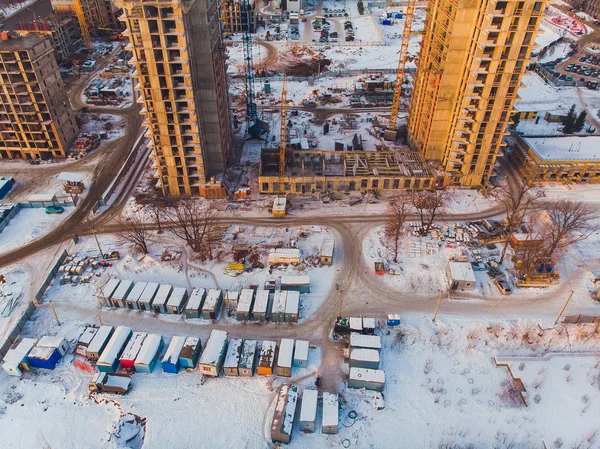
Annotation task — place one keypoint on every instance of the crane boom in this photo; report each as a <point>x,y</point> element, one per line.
<point>283,136</point>
<point>85,31</point>
<point>408,20</point>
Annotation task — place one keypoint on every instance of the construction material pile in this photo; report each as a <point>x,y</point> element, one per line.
<point>303,61</point>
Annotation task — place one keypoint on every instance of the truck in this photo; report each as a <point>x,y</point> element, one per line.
<point>110,383</point>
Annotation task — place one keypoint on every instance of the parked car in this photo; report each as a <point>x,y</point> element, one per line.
<point>55,210</point>
<point>1,26</point>
<point>503,286</point>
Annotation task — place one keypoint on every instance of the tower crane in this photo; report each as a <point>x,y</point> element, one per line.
<point>280,202</point>
<point>85,31</point>
<point>390,133</point>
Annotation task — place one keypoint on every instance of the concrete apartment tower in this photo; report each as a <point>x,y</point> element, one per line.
<point>180,68</point>
<point>96,12</point>
<point>473,56</point>
<point>36,119</point>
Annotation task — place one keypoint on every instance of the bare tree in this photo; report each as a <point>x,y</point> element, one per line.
<point>135,231</point>
<point>397,211</point>
<point>428,205</point>
<point>570,222</point>
<point>517,199</point>
<point>531,251</point>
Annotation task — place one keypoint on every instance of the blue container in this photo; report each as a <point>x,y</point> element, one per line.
<point>398,15</point>
<point>46,361</point>
<point>5,187</point>
<point>386,22</point>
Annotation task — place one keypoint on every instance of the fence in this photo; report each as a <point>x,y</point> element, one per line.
<point>326,74</point>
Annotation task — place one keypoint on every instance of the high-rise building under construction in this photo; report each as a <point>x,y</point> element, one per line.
<point>180,68</point>
<point>473,56</point>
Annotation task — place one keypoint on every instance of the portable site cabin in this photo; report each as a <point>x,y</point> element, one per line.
<point>296,283</point>
<point>188,357</point>
<point>48,352</point>
<point>248,358</point>
<point>278,310</point>
<point>177,301</point>
<point>232,359</point>
<point>285,357</point>
<point>262,306</point>
<point>120,294</point>
<point>148,295</point>
<point>132,349</point>
<point>308,411</point>
<point>301,354</point>
<point>285,411</point>
<point>365,341</point>
<point>213,355</point>
<point>98,343</point>
<point>369,325</point>
<point>54,342</point>
<point>159,304</point>
<point>170,361</point>
<point>393,319</point>
<point>266,359</point>
<point>370,379</point>
<point>15,360</point>
<point>107,291</point>
<point>327,252</point>
<point>148,355</point>
<point>131,302</point>
<point>212,304</point>
<point>364,358</point>
<point>109,360</point>
<point>292,307</point>
<point>331,409</point>
<point>193,308</point>
<point>85,339</point>
<point>356,324</point>
<point>460,276</point>
<point>284,256</point>
<point>244,307</point>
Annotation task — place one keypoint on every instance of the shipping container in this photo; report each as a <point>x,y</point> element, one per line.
<point>132,349</point>
<point>55,342</point>
<point>120,294</point>
<point>177,300</point>
<point>369,379</point>
<point>364,358</point>
<point>193,309</point>
<point>245,303</point>
<point>266,359</point>
<point>331,410</point>
<point>98,343</point>
<point>232,358</point>
<point>159,303</point>
<point>262,306</point>
<point>292,307</point>
<point>285,357</point>
<point>356,324</point>
<point>211,360</point>
<point>85,339</point>
<point>248,358</point>
<point>278,310</point>
<point>188,357</point>
<point>107,291</point>
<point>148,295</point>
<point>285,412</point>
<point>48,352</point>
<point>212,304</point>
<point>308,411</point>
<point>131,302</point>
<point>109,359</point>
<point>149,353</point>
<point>170,361</point>
<point>301,354</point>
<point>15,360</point>
<point>296,283</point>
<point>327,252</point>
<point>369,325</point>
<point>365,341</point>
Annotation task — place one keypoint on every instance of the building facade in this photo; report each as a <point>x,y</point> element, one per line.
<point>179,58</point>
<point>63,29</point>
<point>591,7</point>
<point>36,119</point>
<point>96,12</point>
<point>473,56</point>
<point>234,16</point>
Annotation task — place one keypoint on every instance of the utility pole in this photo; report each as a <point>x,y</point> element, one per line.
<point>437,307</point>
<point>564,307</point>
<point>227,302</point>
<point>341,301</point>
<point>54,312</point>
<point>97,242</point>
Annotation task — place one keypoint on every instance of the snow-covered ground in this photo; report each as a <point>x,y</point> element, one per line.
<point>13,8</point>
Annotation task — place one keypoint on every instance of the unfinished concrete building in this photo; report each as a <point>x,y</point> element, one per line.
<point>473,56</point>
<point>63,29</point>
<point>234,16</point>
<point>36,119</point>
<point>178,54</point>
<point>96,12</point>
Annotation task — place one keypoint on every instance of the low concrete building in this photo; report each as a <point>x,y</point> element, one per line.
<point>460,276</point>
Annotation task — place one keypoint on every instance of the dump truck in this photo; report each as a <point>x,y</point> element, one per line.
<point>110,383</point>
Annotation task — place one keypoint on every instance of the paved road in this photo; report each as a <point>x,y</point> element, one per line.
<point>40,9</point>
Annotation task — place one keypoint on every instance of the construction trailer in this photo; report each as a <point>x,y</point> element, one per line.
<point>301,354</point>
<point>284,256</point>
<point>84,340</point>
<point>369,324</point>
<point>296,283</point>
<point>285,357</point>
<point>98,343</point>
<point>266,359</point>
<point>170,361</point>
<point>212,304</point>
<point>262,306</point>
<point>370,379</point>
<point>245,303</point>
<point>292,307</point>
<point>285,411</point>
<point>356,324</point>
<point>393,319</point>
<point>365,341</point>
<point>278,310</point>
<point>106,292</point>
<point>159,303</point>
<point>15,360</point>
<point>307,421</point>
<point>364,358</point>
<point>177,300</point>
<point>147,296</point>
<point>211,360</point>
<point>48,352</point>
<point>247,359</point>
<point>279,206</point>
<point>193,308</point>
<point>190,353</point>
<point>149,353</point>
<point>109,359</point>
<point>131,302</point>
<point>120,294</point>
<point>132,350</point>
<point>331,409</point>
<point>460,276</point>
<point>232,358</point>
<point>326,257</point>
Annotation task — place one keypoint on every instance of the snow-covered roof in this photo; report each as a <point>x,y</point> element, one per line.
<point>212,298</point>
<point>87,335</point>
<point>279,300</point>
<point>356,324</point>
<point>267,353</point>
<point>136,291</point>
<point>114,346</point>
<point>369,323</point>
<point>133,346</point>
<point>117,381</point>
<point>245,301</point>
<point>290,410</point>
<point>50,342</point>
<point>42,198</point>
<point>283,253</point>
<point>279,203</point>
<point>195,299</point>
<point>41,352</point>
<point>365,341</point>
<point>17,354</point>
<point>330,409</point>
<point>308,410</point>
<point>234,352</point>
<point>286,352</point>
<point>149,292</point>
<point>248,354</point>
<point>461,271</point>
<point>301,350</point>
<point>177,297</point>
<point>262,301</point>
<point>109,288</point>
<point>327,249</point>
<point>576,148</point>
<point>98,341</point>
<point>368,375</point>
<point>295,280</point>
<point>365,355</point>
<point>122,289</point>
<point>162,295</point>
<point>70,176</point>
<point>292,304</point>
<point>174,349</point>
<point>214,347</point>
<point>189,348</point>
<point>149,349</point>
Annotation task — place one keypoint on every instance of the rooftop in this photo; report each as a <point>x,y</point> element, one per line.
<point>18,43</point>
<point>577,148</point>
